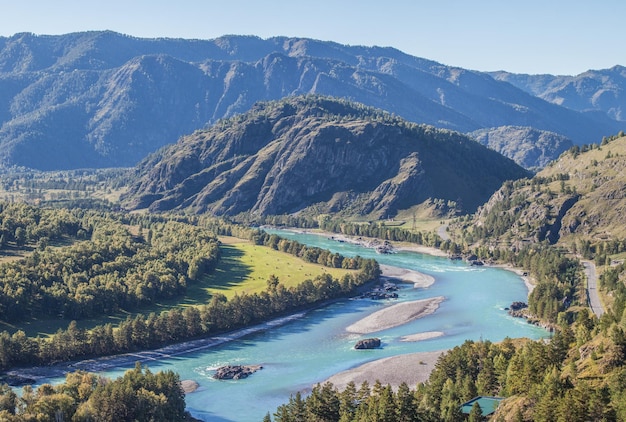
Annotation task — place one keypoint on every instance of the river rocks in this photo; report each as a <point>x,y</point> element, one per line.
<point>368,343</point>
<point>189,386</point>
<point>516,306</point>
<point>235,372</point>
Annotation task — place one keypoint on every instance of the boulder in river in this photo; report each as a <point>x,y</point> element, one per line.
<point>368,343</point>
<point>189,386</point>
<point>235,372</point>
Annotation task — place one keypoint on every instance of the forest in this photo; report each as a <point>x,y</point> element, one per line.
<point>139,395</point>
<point>90,263</point>
<point>73,264</point>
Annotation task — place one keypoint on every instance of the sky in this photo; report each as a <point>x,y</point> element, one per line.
<point>521,36</point>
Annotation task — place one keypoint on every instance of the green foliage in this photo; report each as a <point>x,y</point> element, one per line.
<point>105,269</point>
<point>534,370</point>
<point>120,262</point>
<point>139,395</point>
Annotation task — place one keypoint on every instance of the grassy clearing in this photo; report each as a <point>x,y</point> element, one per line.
<point>11,253</point>
<point>243,267</point>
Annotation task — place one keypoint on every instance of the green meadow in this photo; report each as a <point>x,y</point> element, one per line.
<point>243,268</point>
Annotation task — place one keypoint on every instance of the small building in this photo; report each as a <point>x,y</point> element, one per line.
<point>488,405</point>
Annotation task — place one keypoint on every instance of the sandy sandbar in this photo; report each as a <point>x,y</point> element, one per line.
<point>395,315</point>
<point>413,369</point>
<point>426,250</point>
<point>421,336</point>
<point>418,279</point>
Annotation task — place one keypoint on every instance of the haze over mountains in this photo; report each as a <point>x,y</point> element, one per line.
<point>102,99</point>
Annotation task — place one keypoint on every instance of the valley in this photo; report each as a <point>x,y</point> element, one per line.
<point>187,204</point>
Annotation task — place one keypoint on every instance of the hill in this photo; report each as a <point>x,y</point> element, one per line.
<point>335,155</point>
<point>530,148</point>
<point>579,198</point>
<point>102,99</point>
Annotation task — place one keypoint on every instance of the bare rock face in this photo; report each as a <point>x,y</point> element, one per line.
<point>235,372</point>
<point>368,343</point>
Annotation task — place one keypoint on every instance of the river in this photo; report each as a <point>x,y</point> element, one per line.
<point>310,348</point>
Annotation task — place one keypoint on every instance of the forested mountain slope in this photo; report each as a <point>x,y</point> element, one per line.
<point>102,99</point>
<point>581,197</point>
<point>285,156</point>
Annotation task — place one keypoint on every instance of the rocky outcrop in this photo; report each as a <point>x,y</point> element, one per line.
<point>553,231</point>
<point>235,372</point>
<point>189,386</point>
<point>528,147</point>
<point>285,156</point>
<point>368,343</point>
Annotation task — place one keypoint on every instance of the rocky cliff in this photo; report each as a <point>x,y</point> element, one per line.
<point>581,196</point>
<point>285,156</point>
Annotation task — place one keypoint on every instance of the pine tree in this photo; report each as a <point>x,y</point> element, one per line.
<point>476,414</point>
<point>406,406</point>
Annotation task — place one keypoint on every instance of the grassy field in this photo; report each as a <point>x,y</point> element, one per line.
<point>243,267</point>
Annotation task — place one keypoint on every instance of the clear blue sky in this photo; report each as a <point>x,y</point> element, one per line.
<point>521,36</point>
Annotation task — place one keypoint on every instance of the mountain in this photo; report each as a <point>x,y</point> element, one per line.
<point>102,99</point>
<point>530,148</point>
<point>285,156</point>
<point>579,197</point>
<point>601,92</point>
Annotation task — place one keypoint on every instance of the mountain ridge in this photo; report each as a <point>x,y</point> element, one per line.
<point>115,98</point>
<point>310,151</point>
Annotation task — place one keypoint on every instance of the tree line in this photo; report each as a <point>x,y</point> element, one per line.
<point>111,268</point>
<point>139,395</point>
<point>539,378</point>
<point>156,330</point>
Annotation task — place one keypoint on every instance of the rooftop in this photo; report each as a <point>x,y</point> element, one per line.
<point>488,405</point>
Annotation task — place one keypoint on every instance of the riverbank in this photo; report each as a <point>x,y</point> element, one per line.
<point>371,242</point>
<point>395,315</point>
<point>105,363</point>
<point>419,280</point>
<point>528,281</point>
<point>412,368</point>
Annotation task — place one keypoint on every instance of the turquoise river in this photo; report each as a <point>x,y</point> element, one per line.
<point>308,348</point>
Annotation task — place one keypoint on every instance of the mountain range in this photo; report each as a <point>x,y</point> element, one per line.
<point>103,99</point>
<point>318,153</point>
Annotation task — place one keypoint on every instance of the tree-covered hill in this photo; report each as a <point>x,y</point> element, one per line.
<point>339,156</point>
<point>579,198</point>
